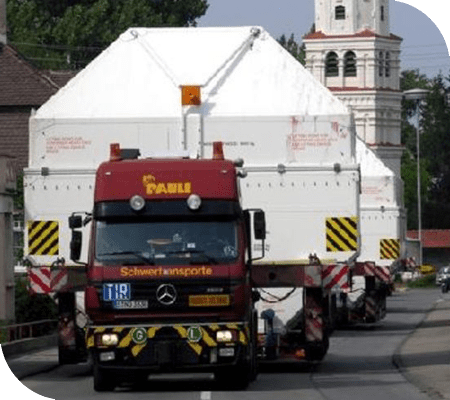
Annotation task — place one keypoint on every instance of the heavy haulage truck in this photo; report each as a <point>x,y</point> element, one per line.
<point>169,269</point>
<point>159,284</point>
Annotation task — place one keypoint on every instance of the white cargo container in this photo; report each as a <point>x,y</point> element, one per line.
<point>383,221</point>
<point>295,137</point>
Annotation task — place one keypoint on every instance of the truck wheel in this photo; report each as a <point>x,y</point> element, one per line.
<point>254,348</point>
<point>317,352</point>
<point>104,381</point>
<point>237,377</point>
<point>66,356</point>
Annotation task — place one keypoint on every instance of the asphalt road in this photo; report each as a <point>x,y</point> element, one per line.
<point>359,365</point>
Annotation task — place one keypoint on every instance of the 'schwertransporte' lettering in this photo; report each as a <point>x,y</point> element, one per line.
<point>157,272</point>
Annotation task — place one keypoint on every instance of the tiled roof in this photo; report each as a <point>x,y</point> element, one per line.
<point>363,34</point>
<point>20,83</point>
<point>432,238</point>
<point>357,89</point>
<point>22,88</point>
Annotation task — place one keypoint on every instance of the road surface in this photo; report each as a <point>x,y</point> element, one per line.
<point>359,365</point>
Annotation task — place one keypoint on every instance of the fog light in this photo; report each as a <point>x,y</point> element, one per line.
<point>109,339</point>
<point>226,352</point>
<point>107,356</point>
<point>225,336</point>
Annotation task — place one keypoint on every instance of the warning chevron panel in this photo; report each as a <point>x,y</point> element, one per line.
<point>342,234</point>
<point>43,238</point>
<point>389,249</point>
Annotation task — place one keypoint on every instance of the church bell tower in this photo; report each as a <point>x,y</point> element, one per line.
<point>353,53</point>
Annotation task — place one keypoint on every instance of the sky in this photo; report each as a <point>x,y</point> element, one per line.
<point>418,22</point>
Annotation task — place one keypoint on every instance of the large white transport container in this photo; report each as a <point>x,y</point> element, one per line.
<point>296,138</point>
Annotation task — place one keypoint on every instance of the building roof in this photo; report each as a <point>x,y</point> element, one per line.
<point>432,238</point>
<point>22,88</point>
<point>363,34</point>
<point>21,84</point>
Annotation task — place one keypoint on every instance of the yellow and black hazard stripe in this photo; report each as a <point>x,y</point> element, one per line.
<point>342,234</point>
<point>389,249</point>
<point>43,238</point>
<point>205,340</point>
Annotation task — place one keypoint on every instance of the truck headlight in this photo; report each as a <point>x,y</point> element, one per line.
<point>108,339</point>
<point>225,336</point>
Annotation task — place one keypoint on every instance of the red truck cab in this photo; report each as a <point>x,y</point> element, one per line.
<point>169,270</point>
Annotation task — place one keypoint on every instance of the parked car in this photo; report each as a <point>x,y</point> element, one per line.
<point>444,273</point>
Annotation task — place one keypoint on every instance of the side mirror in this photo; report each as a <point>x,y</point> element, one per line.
<point>259,225</point>
<point>75,245</point>
<point>75,221</point>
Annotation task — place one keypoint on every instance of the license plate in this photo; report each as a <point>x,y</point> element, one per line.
<point>130,304</point>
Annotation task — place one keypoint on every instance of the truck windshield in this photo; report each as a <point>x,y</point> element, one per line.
<point>166,242</point>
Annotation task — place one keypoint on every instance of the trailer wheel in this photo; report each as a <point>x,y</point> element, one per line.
<point>317,351</point>
<point>104,381</point>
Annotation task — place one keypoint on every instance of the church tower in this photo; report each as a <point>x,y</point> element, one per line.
<point>353,53</point>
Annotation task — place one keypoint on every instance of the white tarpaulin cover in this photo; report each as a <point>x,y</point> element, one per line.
<point>242,71</point>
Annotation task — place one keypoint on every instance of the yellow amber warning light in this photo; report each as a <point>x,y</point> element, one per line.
<point>209,300</point>
<point>190,96</point>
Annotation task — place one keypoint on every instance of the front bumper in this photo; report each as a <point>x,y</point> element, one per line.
<point>169,347</point>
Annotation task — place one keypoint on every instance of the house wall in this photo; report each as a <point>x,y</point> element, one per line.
<point>7,183</point>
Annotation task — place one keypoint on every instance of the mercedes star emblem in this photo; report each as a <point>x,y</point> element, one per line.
<point>166,294</point>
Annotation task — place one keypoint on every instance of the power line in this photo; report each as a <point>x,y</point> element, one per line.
<point>58,47</point>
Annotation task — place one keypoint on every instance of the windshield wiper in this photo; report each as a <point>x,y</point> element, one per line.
<point>208,258</point>
<point>136,254</point>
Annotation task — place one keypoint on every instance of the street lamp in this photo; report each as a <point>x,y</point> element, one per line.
<point>417,95</point>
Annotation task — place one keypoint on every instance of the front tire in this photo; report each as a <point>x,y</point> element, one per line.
<point>104,381</point>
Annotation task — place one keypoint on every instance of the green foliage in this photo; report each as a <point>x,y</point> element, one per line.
<point>428,281</point>
<point>63,34</point>
<point>434,151</point>
<point>297,51</point>
<point>32,307</point>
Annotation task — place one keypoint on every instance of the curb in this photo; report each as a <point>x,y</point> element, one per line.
<point>398,361</point>
<point>26,345</point>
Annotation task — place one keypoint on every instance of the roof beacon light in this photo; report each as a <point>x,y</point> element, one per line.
<point>218,151</point>
<point>114,152</point>
<point>191,96</point>
<point>137,203</point>
<point>194,202</point>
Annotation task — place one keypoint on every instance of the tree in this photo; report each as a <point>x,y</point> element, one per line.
<point>434,149</point>
<point>435,146</point>
<point>297,51</point>
<point>69,33</point>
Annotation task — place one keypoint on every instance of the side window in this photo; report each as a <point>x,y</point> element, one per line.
<point>350,64</point>
<point>380,63</point>
<point>387,65</point>
<point>332,64</point>
<point>339,12</point>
